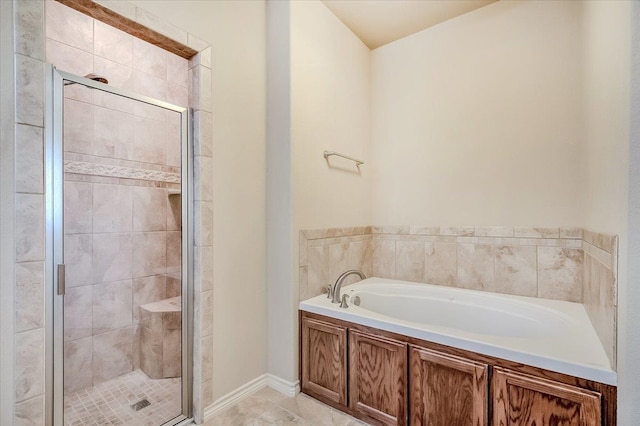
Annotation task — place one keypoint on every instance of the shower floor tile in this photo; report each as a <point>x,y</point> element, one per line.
<point>109,403</point>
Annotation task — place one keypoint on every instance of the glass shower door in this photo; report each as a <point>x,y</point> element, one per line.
<point>120,331</point>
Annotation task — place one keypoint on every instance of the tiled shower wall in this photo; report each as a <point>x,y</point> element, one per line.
<point>568,264</point>
<point>122,157</point>
<point>27,242</point>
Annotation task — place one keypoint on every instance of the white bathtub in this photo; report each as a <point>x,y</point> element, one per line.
<point>549,334</point>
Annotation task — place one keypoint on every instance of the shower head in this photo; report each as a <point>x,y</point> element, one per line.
<point>97,77</point>
<point>92,76</point>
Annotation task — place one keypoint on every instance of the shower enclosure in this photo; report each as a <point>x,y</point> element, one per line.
<point>118,242</point>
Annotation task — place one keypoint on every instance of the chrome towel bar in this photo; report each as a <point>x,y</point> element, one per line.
<point>327,154</point>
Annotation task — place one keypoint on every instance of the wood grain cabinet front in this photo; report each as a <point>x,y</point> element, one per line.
<point>324,361</point>
<point>447,390</point>
<point>377,379</point>
<point>523,400</point>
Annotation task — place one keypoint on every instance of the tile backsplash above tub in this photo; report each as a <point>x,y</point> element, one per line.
<point>562,263</point>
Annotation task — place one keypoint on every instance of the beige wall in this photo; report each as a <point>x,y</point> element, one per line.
<point>476,121</point>
<point>330,110</point>
<point>236,32</point>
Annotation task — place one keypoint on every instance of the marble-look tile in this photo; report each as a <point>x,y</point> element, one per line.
<point>149,141</point>
<point>149,253</point>
<point>78,364</point>
<point>29,29</point>
<point>29,159</point>
<point>29,364</point>
<point>174,213</point>
<point>29,412</point>
<point>599,298</point>
<point>560,273</point>
<point>424,230</point>
<point>69,59</point>
<point>410,260</point>
<point>120,76</point>
<point>536,232</point>
<point>78,255</point>
<point>149,209</point>
<point>78,126</point>
<point>109,139</point>
<point>29,102</point>
<point>515,270</point>
<point>112,258</point>
<point>69,26</point>
<point>29,227</point>
<point>78,202</point>
<point>174,250</point>
<point>174,285</point>
<point>384,258</point>
<point>303,247</point>
<point>151,353</point>
<point>360,256</point>
<point>200,88</point>
<point>493,231</point>
<point>112,354</point>
<point>204,216</point>
<point>203,258</point>
<point>203,312</point>
<point>203,138</point>
<point>172,320</point>
<point>113,44</point>
<point>205,370</point>
<point>571,232</point>
<point>171,353</point>
<point>78,313</point>
<point>177,69</point>
<point>112,208</point>
<point>29,296</point>
<point>112,306</point>
<point>148,85</point>
<point>177,95</point>
<point>147,290</point>
<point>174,145</point>
<point>203,184</point>
<point>203,280</point>
<point>150,111</point>
<point>475,266</point>
<point>441,266</point>
<point>461,231</point>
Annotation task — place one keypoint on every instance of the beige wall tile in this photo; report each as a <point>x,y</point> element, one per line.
<point>110,140</point>
<point>149,209</point>
<point>69,59</point>
<point>112,257</point>
<point>78,198</point>
<point>174,250</point>
<point>119,76</point>
<point>149,253</point>
<point>204,311</point>
<point>29,161</point>
<point>177,95</point>
<point>78,255</point>
<point>204,216</point>
<point>494,231</point>
<point>29,364</point>
<point>78,313</point>
<point>69,26</point>
<point>149,58</point>
<point>536,232</point>
<point>177,70</point>
<point>112,306</point>
<point>384,258</point>
<point>207,359</point>
<point>475,266</point>
<point>78,126</point>
<point>516,271</point>
<point>147,290</point>
<point>29,28</point>
<point>440,263</point>
<point>150,111</point>
<point>31,411</point>
<point>113,44</point>
<point>174,213</point>
<point>203,186</point>
<point>174,139</point>
<point>462,231</point>
<point>560,273</point>
<point>29,101</point>
<point>150,141</point>
<point>149,85</point>
<point>112,208</point>
<point>112,354</point>
<point>203,138</point>
<point>318,270</point>
<point>29,296</point>
<point>410,260</point>
<point>78,364</point>
<point>151,353</point>
<point>424,230</point>
<point>570,232</point>
<point>171,353</point>
<point>29,227</point>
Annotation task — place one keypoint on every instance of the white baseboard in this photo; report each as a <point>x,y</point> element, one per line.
<point>286,387</point>
<point>290,389</point>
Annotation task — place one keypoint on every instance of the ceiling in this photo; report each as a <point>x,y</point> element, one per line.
<point>378,22</point>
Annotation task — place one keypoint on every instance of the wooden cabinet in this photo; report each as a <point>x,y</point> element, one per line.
<point>324,361</point>
<point>523,400</point>
<point>447,390</point>
<point>377,379</point>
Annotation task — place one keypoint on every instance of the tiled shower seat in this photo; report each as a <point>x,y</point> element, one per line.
<point>160,338</point>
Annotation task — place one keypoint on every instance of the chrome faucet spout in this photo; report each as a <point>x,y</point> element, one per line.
<point>338,285</point>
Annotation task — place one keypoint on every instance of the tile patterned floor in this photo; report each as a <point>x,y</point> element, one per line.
<point>268,407</point>
<point>109,403</point>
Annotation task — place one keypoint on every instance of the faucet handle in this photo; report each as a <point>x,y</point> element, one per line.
<point>344,304</point>
<point>329,292</point>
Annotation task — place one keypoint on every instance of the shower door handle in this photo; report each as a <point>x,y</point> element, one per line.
<point>61,280</point>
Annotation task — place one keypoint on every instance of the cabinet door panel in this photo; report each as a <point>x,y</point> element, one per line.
<point>522,400</point>
<point>324,361</point>
<point>378,379</point>
<point>447,390</point>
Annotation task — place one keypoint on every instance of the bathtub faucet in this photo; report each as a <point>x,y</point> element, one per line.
<point>338,285</point>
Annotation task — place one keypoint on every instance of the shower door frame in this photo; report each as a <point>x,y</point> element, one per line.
<point>54,242</point>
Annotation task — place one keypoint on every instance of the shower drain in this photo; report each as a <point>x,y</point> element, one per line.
<point>140,404</point>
